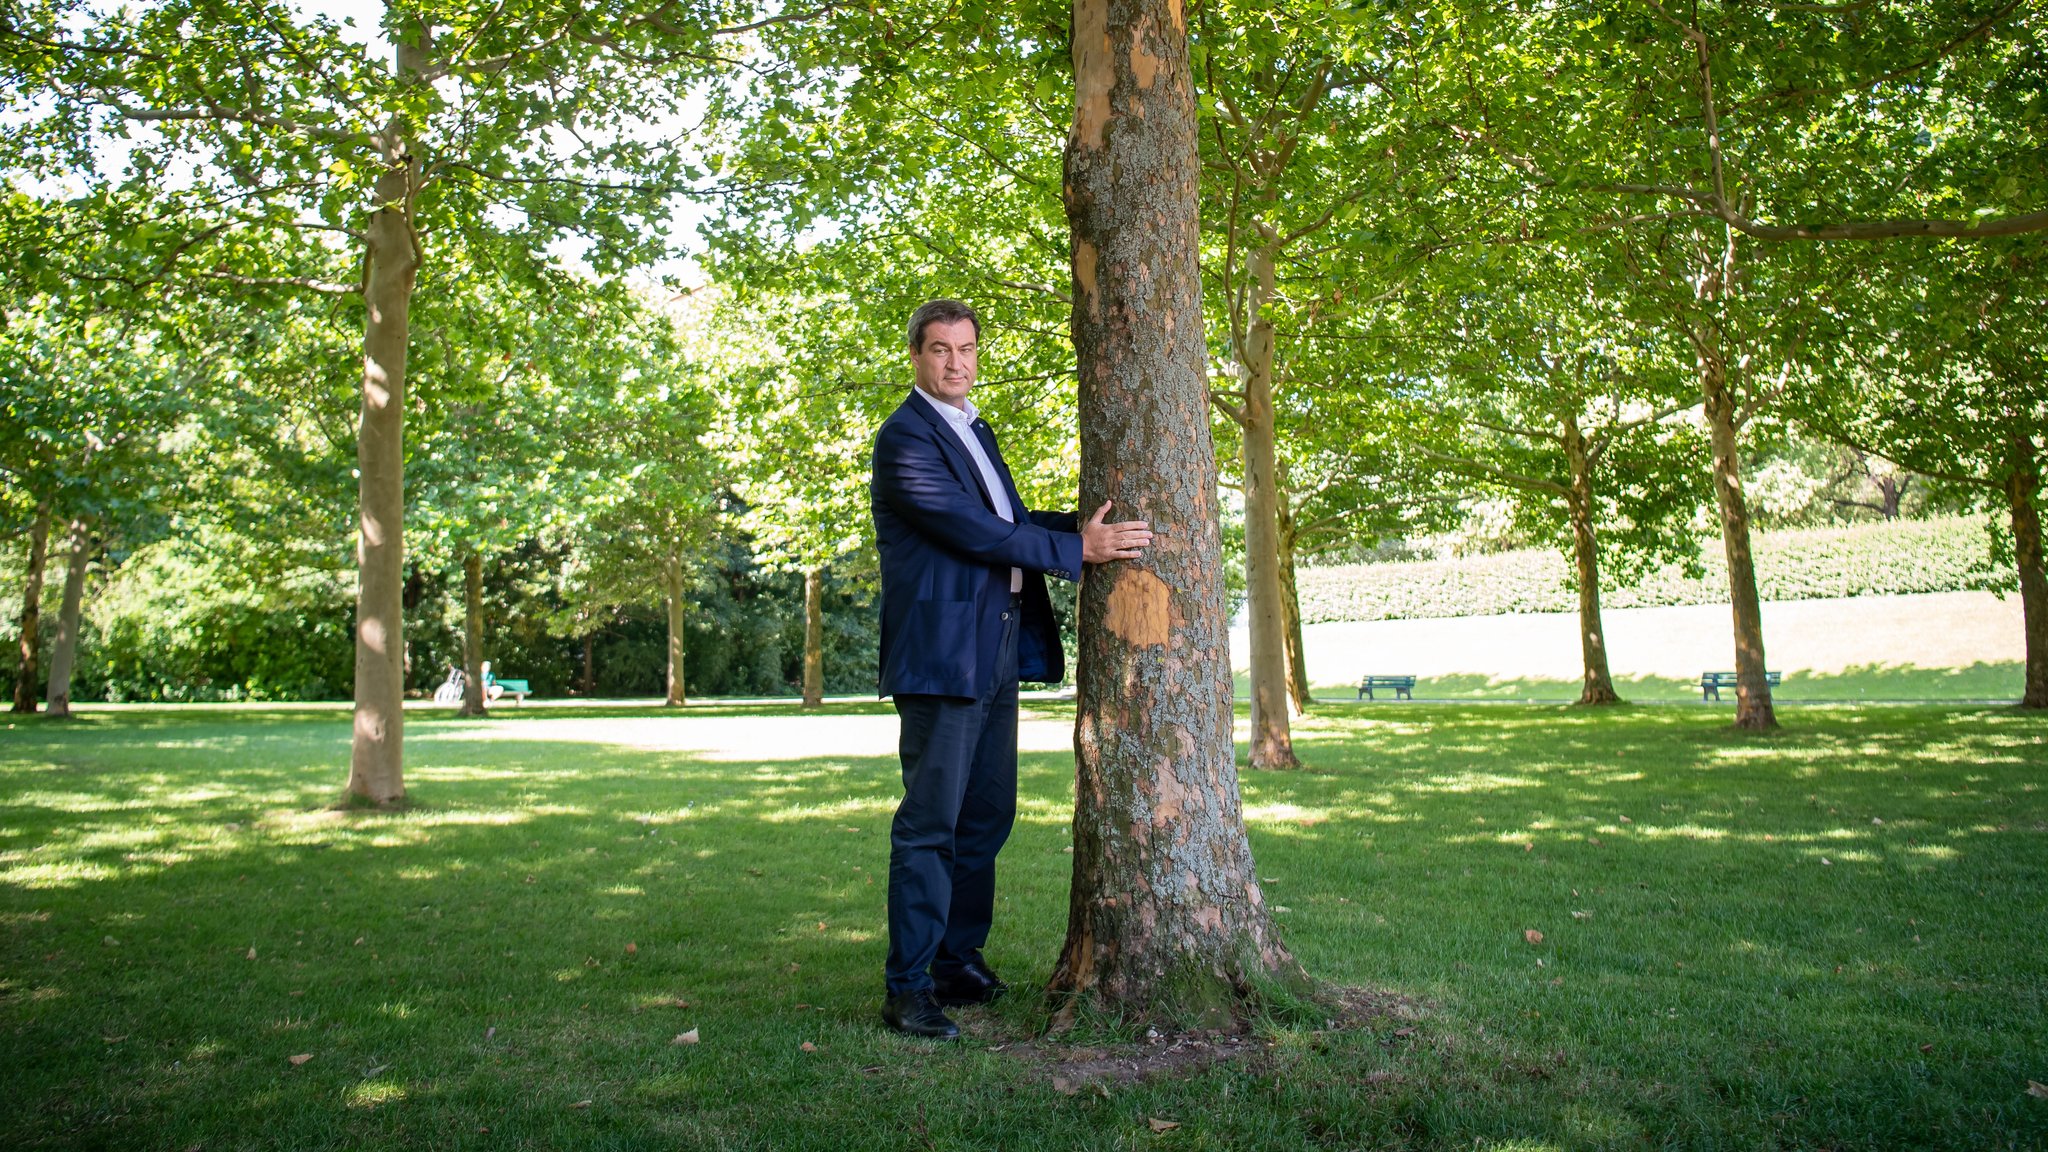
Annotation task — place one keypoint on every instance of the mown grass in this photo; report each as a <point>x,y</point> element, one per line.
<point>1827,937</point>
<point>1984,681</point>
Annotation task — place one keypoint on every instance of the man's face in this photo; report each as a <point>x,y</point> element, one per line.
<point>946,365</point>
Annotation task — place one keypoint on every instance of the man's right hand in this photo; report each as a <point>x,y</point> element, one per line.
<point>1124,541</point>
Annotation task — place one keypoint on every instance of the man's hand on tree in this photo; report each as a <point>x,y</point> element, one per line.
<point>1124,541</point>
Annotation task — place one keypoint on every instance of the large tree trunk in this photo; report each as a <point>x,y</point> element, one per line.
<point>64,650</point>
<point>1599,683</point>
<point>473,701</point>
<point>1165,916</point>
<point>28,668</point>
<point>587,682</point>
<point>2023,495</point>
<point>377,760</point>
<point>672,585</point>
<point>1290,607</point>
<point>1272,743</point>
<point>1752,691</point>
<point>814,638</point>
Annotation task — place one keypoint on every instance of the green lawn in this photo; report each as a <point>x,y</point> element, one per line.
<point>1985,681</point>
<point>1828,938</point>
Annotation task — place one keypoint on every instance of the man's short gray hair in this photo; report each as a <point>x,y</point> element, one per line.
<point>939,312</point>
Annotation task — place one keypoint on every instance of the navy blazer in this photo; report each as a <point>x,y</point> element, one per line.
<point>946,560</point>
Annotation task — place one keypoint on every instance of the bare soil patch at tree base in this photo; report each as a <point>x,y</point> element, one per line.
<point>1077,1068</point>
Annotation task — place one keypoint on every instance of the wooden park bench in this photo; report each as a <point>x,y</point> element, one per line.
<point>1711,683</point>
<point>1403,686</point>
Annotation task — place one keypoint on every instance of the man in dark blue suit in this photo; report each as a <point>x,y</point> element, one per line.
<point>965,615</point>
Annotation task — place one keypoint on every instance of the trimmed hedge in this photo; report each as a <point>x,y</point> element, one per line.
<point>1940,555</point>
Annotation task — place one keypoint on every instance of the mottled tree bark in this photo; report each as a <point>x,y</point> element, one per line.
<point>377,759</point>
<point>1598,681</point>
<point>672,587</point>
<point>64,646</point>
<point>2023,498</point>
<point>1272,741</point>
<point>814,638</point>
<point>1290,607</point>
<point>1165,916</point>
<point>1752,691</point>
<point>28,668</point>
<point>473,700</point>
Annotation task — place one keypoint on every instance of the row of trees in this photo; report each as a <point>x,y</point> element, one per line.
<point>1578,252</point>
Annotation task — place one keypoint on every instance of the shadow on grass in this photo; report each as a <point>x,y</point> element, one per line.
<point>1745,940</point>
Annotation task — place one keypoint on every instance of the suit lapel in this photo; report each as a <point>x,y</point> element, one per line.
<point>949,443</point>
<point>995,456</point>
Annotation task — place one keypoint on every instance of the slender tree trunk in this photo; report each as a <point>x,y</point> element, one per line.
<point>1753,707</point>
<point>1272,742</point>
<point>814,638</point>
<point>2023,494</point>
<point>377,760</point>
<point>64,651</point>
<point>1599,682</point>
<point>474,702</point>
<point>587,682</point>
<point>1165,916</point>
<point>672,583</point>
<point>1290,606</point>
<point>28,668</point>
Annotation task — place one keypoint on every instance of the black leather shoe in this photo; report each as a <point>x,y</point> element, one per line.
<point>917,1014</point>
<point>972,984</point>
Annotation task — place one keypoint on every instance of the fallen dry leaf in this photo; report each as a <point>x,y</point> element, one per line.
<point>807,1046</point>
<point>1582,915</point>
<point>1404,1033</point>
<point>1064,1086</point>
<point>821,925</point>
<point>679,1003</point>
<point>791,966</point>
<point>689,1037</point>
<point>2037,1090</point>
<point>1924,1048</point>
<point>359,941</point>
<point>1159,1125</point>
<point>1828,862</point>
<point>301,1058</point>
<point>251,954</point>
<point>1528,847</point>
<point>110,942</point>
<point>632,948</point>
<point>580,1104</point>
<point>373,1073</point>
<point>1626,820</point>
<point>490,1032</point>
<point>1532,936</point>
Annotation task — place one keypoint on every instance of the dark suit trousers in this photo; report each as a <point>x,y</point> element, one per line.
<point>959,801</point>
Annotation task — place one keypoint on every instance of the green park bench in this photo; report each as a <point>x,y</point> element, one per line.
<point>1403,686</point>
<point>518,690</point>
<point>1711,683</point>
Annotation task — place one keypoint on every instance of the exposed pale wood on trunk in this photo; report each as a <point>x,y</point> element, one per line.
<point>1165,915</point>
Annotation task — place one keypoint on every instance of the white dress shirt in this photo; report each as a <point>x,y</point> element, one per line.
<point>961,421</point>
